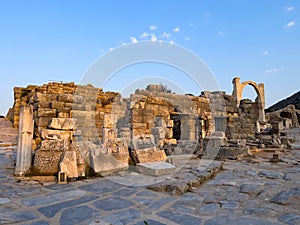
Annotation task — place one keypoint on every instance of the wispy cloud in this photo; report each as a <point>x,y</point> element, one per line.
<point>153,37</point>
<point>274,70</point>
<point>265,53</point>
<point>144,35</point>
<point>187,38</point>
<point>166,35</point>
<point>111,48</point>
<point>191,24</point>
<point>152,27</point>
<point>291,24</point>
<point>172,42</point>
<point>176,29</point>
<point>289,8</point>
<point>133,40</point>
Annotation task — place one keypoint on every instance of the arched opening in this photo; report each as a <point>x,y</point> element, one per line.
<point>249,93</point>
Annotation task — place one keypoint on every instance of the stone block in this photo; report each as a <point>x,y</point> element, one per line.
<point>63,114</point>
<point>66,98</point>
<point>43,121</point>
<point>62,123</point>
<point>109,121</point>
<point>158,132</point>
<point>56,134</point>
<point>109,134</point>
<point>149,155</point>
<point>156,168</point>
<point>170,123</point>
<point>106,163</point>
<point>68,164</point>
<point>46,112</point>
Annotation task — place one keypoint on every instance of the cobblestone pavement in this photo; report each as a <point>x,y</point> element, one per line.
<point>248,191</point>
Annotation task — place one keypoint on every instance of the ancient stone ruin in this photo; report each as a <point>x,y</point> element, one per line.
<point>75,131</point>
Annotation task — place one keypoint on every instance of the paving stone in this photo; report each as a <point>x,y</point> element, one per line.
<point>212,199</point>
<point>17,217</point>
<point>114,203</point>
<point>59,186</point>
<point>229,205</point>
<point>240,197</point>
<point>271,174</point>
<point>225,220</point>
<point>251,173</point>
<point>38,223</point>
<point>51,210</point>
<point>209,209</point>
<point>146,193</point>
<point>260,212</point>
<point>4,200</point>
<point>192,197</point>
<point>156,205</point>
<point>184,207</point>
<point>143,201</point>
<point>125,192</point>
<point>179,218</point>
<point>149,222</point>
<point>53,197</point>
<point>128,215</point>
<point>252,189</point>
<point>288,176</point>
<point>287,197</point>
<point>104,220</point>
<point>290,218</point>
<point>76,215</point>
<point>101,187</point>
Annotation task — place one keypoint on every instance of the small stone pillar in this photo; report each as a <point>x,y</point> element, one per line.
<point>23,162</point>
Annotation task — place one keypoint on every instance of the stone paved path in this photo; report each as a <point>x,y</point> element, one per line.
<point>249,191</point>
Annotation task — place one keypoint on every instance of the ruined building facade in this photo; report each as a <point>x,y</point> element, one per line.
<point>79,123</point>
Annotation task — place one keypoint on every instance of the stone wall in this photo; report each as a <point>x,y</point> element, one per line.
<point>81,116</point>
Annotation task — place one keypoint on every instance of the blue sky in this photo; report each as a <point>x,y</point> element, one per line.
<point>44,41</point>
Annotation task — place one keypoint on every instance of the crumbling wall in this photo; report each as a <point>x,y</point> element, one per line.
<point>66,100</point>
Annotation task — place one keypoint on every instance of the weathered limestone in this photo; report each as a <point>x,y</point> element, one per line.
<point>156,168</point>
<point>23,162</point>
<point>62,123</point>
<point>145,150</point>
<point>112,155</point>
<point>152,122</point>
<point>259,88</point>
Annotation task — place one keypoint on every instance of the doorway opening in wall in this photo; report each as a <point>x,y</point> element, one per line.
<point>175,116</point>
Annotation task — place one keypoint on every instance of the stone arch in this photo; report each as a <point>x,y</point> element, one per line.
<point>259,89</point>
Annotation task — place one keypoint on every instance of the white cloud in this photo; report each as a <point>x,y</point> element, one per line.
<point>191,24</point>
<point>187,38</point>
<point>289,8</point>
<point>133,40</point>
<point>291,24</point>
<point>274,70</point>
<point>152,27</point>
<point>111,48</point>
<point>153,37</point>
<point>172,42</point>
<point>265,53</point>
<point>176,29</point>
<point>144,35</point>
<point>166,35</point>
